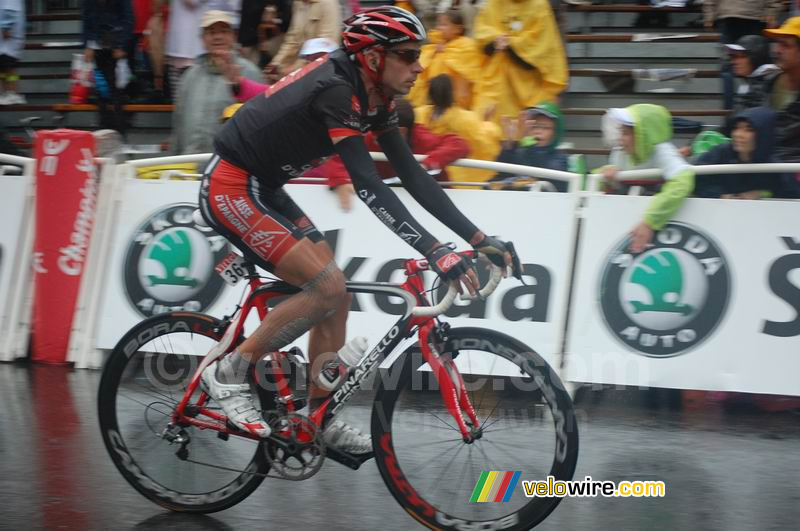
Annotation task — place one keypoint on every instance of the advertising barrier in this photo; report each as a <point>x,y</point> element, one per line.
<point>66,193</point>
<point>713,304</point>
<point>15,254</point>
<point>160,260</point>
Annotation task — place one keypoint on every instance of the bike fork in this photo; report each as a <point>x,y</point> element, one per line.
<point>451,386</point>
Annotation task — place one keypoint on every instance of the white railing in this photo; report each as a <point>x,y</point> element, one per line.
<point>572,179</point>
<point>711,169</point>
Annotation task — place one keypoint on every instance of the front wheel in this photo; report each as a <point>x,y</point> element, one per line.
<point>527,431</point>
<point>144,378</point>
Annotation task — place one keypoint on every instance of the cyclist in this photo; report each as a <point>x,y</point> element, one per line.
<point>310,114</point>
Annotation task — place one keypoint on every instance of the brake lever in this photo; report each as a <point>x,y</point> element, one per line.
<point>516,265</point>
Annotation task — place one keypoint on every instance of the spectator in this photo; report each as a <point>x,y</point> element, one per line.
<point>443,117</point>
<point>252,12</point>
<point>785,89</point>
<point>456,55</point>
<point>734,19</point>
<point>310,19</point>
<point>753,142</point>
<point>312,49</point>
<point>153,45</point>
<point>205,91</point>
<point>107,30</point>
<point>752,64</point>
<point>272,31</point>
<point>466,8</point>
<point>441,150</point>
<point>525,61</point>
<point>184,43</point>
<point>645,139</point>
<point>533,141</point>
<point>12,40</point>
<point>142,13</point>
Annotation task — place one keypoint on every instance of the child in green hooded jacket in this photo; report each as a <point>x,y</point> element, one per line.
<point>534,141</point>
<point>645,134</point>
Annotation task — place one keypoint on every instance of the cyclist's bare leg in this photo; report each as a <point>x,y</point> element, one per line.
<point>326,336</point>
<point>311,267</point>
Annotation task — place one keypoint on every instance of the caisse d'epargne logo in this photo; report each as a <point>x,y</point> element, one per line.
<point>169,264</point>
<point>668,299</point>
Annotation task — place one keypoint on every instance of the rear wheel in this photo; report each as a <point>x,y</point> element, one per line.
<point>528,426</point>
<point>143,380</point>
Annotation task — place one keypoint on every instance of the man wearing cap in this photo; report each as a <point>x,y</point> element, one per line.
<point>310,19</point>
<point>734,19</point>
<point>752,64</point>
<point>785,89</point>
<point>204,90</point>
<point>247,88</point>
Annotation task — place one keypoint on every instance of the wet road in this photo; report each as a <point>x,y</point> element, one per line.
<point>722,471</point>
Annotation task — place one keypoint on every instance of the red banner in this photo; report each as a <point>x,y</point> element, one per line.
<point>66,194</point>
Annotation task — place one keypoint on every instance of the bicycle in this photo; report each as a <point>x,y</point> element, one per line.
<point>452,389</point>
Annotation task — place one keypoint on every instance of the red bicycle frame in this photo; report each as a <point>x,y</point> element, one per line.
<point>451,384</point>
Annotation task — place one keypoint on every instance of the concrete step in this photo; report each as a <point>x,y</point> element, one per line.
<point>156,123</point>
<point>49,55</point>
<point>55,27</point>
<point>44,86</point>
<point>679,101</point>
<point>584,21</point>
<point>622,52</point>
<point>691,86</point>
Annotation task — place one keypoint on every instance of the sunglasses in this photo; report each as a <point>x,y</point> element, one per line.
<point>408,55</point>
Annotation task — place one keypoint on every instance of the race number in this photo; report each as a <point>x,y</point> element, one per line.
<point>232,268</point>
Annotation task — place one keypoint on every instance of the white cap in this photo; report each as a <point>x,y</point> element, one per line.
<point>213,16</point>
<point>621,115</point>
<point>317,45</point>
<point>735,48</point>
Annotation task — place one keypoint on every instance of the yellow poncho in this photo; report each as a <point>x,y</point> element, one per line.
<point>535,38</point>
<point>483,138</point>
<point>460,59</point>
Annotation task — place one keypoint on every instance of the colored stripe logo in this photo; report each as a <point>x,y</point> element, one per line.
<point>494,486</point>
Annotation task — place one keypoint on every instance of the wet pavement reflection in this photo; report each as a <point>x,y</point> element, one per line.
<point>722,470</point>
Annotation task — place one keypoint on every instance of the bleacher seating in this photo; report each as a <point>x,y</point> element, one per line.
<point>603,46</point>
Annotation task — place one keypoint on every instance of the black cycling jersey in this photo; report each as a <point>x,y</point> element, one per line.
<point>288,130</point>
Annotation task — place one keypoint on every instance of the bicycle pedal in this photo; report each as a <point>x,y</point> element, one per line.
<point>223,436</point>
<point>348,460</point>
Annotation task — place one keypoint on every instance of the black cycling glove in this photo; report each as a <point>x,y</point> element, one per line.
<point>494,249</point>
<point>448,264</point>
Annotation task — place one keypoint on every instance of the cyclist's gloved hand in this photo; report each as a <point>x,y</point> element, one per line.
<point>451,266</point>
<point>501,254</point>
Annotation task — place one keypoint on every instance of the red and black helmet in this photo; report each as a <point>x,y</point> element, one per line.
<point>385,25</point>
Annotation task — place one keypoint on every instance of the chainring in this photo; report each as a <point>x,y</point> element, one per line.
<point>295,450</point>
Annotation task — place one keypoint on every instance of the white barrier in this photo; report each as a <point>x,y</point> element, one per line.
<point>138,285</point>
<point>16,248</point>
<point>714,303</point>
<point>93,281</point>
<point>761,260</point>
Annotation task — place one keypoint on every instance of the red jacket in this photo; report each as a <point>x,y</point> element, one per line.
<point>441,150</point>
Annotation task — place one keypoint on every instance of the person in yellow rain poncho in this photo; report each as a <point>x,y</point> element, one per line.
<point>455,55</point>
<point>443,117</point>
<point>526,63</point>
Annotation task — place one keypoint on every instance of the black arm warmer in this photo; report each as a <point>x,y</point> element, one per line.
<point>379,198</point>
<point>424,188</point>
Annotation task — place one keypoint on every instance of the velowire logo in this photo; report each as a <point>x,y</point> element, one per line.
<point>170,262</point>
<point>668,299</point>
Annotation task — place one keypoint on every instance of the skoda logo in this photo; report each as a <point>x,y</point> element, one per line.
<point>668,299</point>
<point>170,262</point>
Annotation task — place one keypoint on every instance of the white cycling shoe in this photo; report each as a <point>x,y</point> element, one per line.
<point>236,400</point>
<point>346,439</point>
